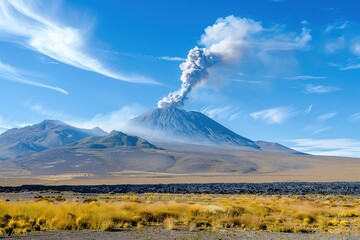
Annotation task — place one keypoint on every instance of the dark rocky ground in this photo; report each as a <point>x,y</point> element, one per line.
<point>342,188</point>
<point>162,234</point>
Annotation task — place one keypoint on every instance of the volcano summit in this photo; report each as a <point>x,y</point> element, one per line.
<point>181,125</point>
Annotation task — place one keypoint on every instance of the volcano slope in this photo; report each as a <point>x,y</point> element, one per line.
<point>177,125</point>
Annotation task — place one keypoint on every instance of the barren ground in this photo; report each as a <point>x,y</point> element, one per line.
<point>162,234</point>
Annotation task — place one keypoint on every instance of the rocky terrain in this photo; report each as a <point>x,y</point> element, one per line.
<point>344,188</point>
<point>163,234</point>
<point>114,139</point>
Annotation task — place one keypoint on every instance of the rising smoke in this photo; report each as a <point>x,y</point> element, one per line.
<point>194,71</point>
<point>225,42</point>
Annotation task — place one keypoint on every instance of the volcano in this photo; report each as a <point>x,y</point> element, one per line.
<point>190,126</point>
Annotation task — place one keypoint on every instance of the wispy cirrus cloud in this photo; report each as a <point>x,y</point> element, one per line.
<point>10,73</point>
<point>304,77</point>
<point>350,67</point>
<point>25,23</point>
<point>309,109</point>
<point>326,116</point>
<point>321,129</point>
<point>314,129</point>
<point>226,112</point>
<point>151,57</point>
<point>355,48</point>
<point>335,45</point>
<point>284,41</point>
<point>342,147</point>
<point>48,113</point>
<point>172,59</point>
<point>304,22</point>
<point>355,117</point>
<point>276,115</point>
<point>254,82</point>
<point>339,25</point>
<point>319,89</point>
<point>319,126</point>
<point>117,119</point>
<point>4,124</point>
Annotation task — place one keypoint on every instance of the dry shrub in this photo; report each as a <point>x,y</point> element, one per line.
<point>107,225</point>
<point>170,223</point>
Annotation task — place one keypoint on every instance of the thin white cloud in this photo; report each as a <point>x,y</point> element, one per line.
<point>309,109</point>
<point>336,65</point>
<point>329,147</point>
<point>319,89</point>
<point>276,115</point>
<point>25,23</point>
<point>336,45</point>
<point>304,38</point>
<point>305,77</point>
<point>355,48</point>
<point>276,39</point>
<point>48,113</point>
<point>314,129</point>
<point>336,26</point>
<point>172,59</point>
<point>226,112</point>
<point>304,22</point>
<point>4,124</point>
<point>326,116</point>
<point>234,116</point>
<point>254,82</point>
<point>117,119</point>
<point>151,57</point>
<point>355,117</point>
<point>320,130</point>
<point>351,67</point>
<point>10,73</point>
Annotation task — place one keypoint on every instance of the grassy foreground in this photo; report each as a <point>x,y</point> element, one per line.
<point>278,213</point>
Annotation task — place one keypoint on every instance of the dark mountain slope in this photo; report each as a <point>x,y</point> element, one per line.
<point>51,134</point>
<point>114,139</point>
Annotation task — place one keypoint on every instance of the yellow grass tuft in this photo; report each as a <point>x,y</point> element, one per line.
<point>278,213</point>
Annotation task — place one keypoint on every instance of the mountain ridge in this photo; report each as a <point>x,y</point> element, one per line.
<point>54,147</point>
<point>50,134</point>
<point>113,139</point>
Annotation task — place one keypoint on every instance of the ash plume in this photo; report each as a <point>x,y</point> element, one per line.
<point>224,43</point>
<point>194,72</point>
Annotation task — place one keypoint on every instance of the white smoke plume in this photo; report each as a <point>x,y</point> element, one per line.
<point>194,71</point>
<point>225,42</point>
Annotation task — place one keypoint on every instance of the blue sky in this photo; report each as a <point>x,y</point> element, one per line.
<point>292,76</point>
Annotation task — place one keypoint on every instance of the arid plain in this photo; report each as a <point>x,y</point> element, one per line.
<point>179,163</point>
